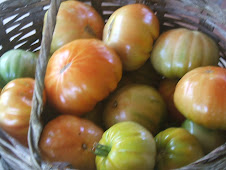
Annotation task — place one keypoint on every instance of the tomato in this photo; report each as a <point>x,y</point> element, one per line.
<point>130,31</point>
<point>126,145</point>
<point>166,89</point>
<point>70,139</point>
<point>215,138</point>
<point>200,96</point>
<point>15,107</point>
<point>80,74</point>
<point>178,51</point>
<point>75,20</point>
<point>176,148</point>
<point>17,63</point>
<point>139,103</point>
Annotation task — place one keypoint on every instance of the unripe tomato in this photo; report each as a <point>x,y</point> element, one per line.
<point>180,50</point>
<point>139,103</point>
<point>15,107</point>
<point>70,139</point>
<point>126,146</point>
<point>130,31</point>
<point>75,20</point>
<point>80,74</point>
<point>176,148</point>
<point>200,96</point>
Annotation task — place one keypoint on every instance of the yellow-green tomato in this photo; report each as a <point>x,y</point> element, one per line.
<point>139,103</point>
<point>180,50</point>
<point>214,137</point>
<point>176,148</point>
<point>126,146</point>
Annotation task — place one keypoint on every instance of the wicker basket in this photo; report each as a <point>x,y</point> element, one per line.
<point>21,27</point>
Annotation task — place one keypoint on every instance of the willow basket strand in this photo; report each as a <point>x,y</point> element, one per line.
<point>204,15</point>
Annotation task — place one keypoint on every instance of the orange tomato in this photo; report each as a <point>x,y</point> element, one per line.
<point>200,96</point>
<point>70,139</point>
<point>80,74</point>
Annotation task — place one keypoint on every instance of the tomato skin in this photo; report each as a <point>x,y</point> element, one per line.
<point>80,74</point>
<point>70,139</point>
<point>15,107</point>
<point>75,20</point>
<point>200,96</point>
<point>215,138</point>
<point>132,147</point>
<point>139,103</point>
<point>176,148</point>
<point>131,30</point>
<point>166,89</point>
<point>178,51</point>
<point>17,63</point>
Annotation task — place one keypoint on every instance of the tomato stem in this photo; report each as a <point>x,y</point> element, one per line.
<point>102,150</point>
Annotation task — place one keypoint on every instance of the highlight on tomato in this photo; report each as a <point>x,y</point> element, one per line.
<point>200,95</point>
<point>81,74</point>
<point>131,31</point>
<point>70,139</point>
<point>75,20</point>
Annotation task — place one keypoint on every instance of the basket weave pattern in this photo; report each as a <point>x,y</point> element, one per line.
<point>21,24</point>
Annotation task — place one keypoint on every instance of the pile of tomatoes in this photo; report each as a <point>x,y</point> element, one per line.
<point>119,95</point>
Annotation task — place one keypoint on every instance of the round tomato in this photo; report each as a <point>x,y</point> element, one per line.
<point>131,30</point>
<point>80,74</point>
<point>15,107</point>
<point>126,145</point>
<point>75,20</point>
<point>139,103</point>
<point>176,148</point>
<point>178,51</point>
<point>17,63</point>
<point>166,89</point>
<point>200,96</point>
<point>215,138</point>
<point>70,139</point>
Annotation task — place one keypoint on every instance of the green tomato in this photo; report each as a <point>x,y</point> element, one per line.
<point>139,103</point>
<point>126,146</point>
<point>176,148</point>
<point>215,138</point>
<point>17,63</point>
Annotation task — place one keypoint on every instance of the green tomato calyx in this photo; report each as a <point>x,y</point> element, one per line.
<point>101,150</point>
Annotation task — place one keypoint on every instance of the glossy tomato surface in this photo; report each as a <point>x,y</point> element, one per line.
<point>180,50</point>
<point>80,74</point>
<point>139,103</point>
<point>176,148</point>
<point>76,20</point>
<point>200,96</point>
<point>70,139</point>
<point>131,31</point>
<point>126,146</point>
<point>15,107</point>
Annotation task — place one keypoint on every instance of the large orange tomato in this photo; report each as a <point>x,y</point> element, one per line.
<point>131,31</point>
<point>200,96</point>
<point>76,20</point>
<point>15,107</point>
<point>70,139</point>
<point>80,74</point>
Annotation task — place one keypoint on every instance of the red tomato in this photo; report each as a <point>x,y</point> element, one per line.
<point>80,74</point>
<point>70,139</point>
<point>76,20</point>
<point>166,89</point>
<point>131,31</point>
<point>15,107</point>
<point>200,96</point>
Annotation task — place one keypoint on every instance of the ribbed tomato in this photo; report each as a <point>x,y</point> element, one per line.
<point>178,51</point>
<point>80,74</point>
<point>200,96</point>
<point>75,20</point>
